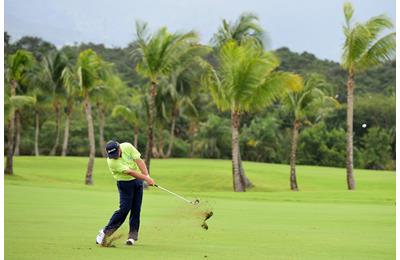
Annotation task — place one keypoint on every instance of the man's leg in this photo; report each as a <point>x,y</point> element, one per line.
<point>125,201</point>
<point>134,218</point>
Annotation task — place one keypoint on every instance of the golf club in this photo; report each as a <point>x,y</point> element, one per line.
<point>176,195</point>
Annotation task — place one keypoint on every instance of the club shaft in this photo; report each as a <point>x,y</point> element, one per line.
<point>173,193</point>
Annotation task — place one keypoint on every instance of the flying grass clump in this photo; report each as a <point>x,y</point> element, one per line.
<point>204,212</point>
<point>207,215</point>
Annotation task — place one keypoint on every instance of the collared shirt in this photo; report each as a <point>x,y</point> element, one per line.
<point>127,161</point>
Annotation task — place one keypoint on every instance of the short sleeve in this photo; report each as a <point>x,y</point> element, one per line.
<point>134,152</point>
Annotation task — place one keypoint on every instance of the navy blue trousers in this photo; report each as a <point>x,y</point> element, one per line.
<point>130,200</point>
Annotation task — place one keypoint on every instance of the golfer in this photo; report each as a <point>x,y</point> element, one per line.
<point>129,170</point>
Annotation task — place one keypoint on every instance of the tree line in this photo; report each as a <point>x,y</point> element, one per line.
<point>173,97</point>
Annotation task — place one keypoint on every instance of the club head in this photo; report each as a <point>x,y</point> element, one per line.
<point>196,202</point>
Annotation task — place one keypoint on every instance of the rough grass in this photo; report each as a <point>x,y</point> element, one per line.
<point>51,214</point>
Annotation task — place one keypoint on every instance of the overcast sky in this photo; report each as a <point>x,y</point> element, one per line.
<point>302,25</point>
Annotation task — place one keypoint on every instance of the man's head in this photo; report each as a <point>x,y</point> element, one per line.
<point>113,150</point>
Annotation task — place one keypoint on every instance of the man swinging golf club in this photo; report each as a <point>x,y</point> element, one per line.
<point>129,170</point>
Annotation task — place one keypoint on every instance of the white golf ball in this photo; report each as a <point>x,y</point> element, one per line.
<point>364,125</point>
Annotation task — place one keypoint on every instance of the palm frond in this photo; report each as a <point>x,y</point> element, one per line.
<point>355,45</point>
<point>381,51</point>
<point>276,85</point>
<point>142,32</point>
<point>92,71</point>
<point>21,101</point>
<point>362,46</point>
<point>246,80</point>
<point>311,100</point>
<point>70,80</point>
<point>245,27</point>
<point>125,113</point>
<point>158,53</point>
<point>376,25</point>
<point>19,64</point>
<point>348,13</point>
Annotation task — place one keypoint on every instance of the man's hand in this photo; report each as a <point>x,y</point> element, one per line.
<point>149,180</point>
<point>140,176</point>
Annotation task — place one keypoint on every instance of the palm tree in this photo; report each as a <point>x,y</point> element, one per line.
<point>158,54</point>
<point>18,114</point>
<point>245,81</point>
<point>245,27</point>
<point>180,101</point>
<point>39,106</point>
<point>101,110</point>
<point>19,103</point>
<point>22,103</point>
<point>71,85</point>
<point>364,47</point>
<point>17,67</point>
<point>20,106</point>
<point>39,87</point>
<point>310,101</point>
<point>201,101</point>
<point>130,117</point>
<point>181,86</point>
<point>104,98</point>
<point>26,88</point>
<point>92,72</point>
<point>17,131</point>
<point>54,64</point>
<point>174,101</point>
<point>211,136</point>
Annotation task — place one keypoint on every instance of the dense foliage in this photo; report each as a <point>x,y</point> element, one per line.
<point>203,131</point>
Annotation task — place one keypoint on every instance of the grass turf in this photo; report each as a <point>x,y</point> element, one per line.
<point>50,214</point>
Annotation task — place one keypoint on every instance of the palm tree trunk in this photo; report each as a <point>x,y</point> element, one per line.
<point>101,130</point>
<point>146,153</point>
<point>66,136</point>
<point>192,132</point>
<point>37,122</point>
<point>248,184</point>
<point>295,134</point>
<point>161,148</point>
<point>66,130</point>
<point>57,108</point>
<point>151,114</point>
<point>135,136</point>
<point>92,148</point>
<point>18,132</point>
<point>172,132</point>
<point>10,135</point>
<point>349,162</point>
<point>191,154</point>
<point>238,184</point>
<point>154,151</point>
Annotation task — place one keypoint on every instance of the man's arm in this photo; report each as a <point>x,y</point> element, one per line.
<point>140,176</point>
<point>142,166</point>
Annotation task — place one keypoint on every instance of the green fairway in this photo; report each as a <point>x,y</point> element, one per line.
<point>51,214</point>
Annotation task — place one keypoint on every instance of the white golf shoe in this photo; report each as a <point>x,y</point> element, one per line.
<point>100,237</point>
<point>130,241</point>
